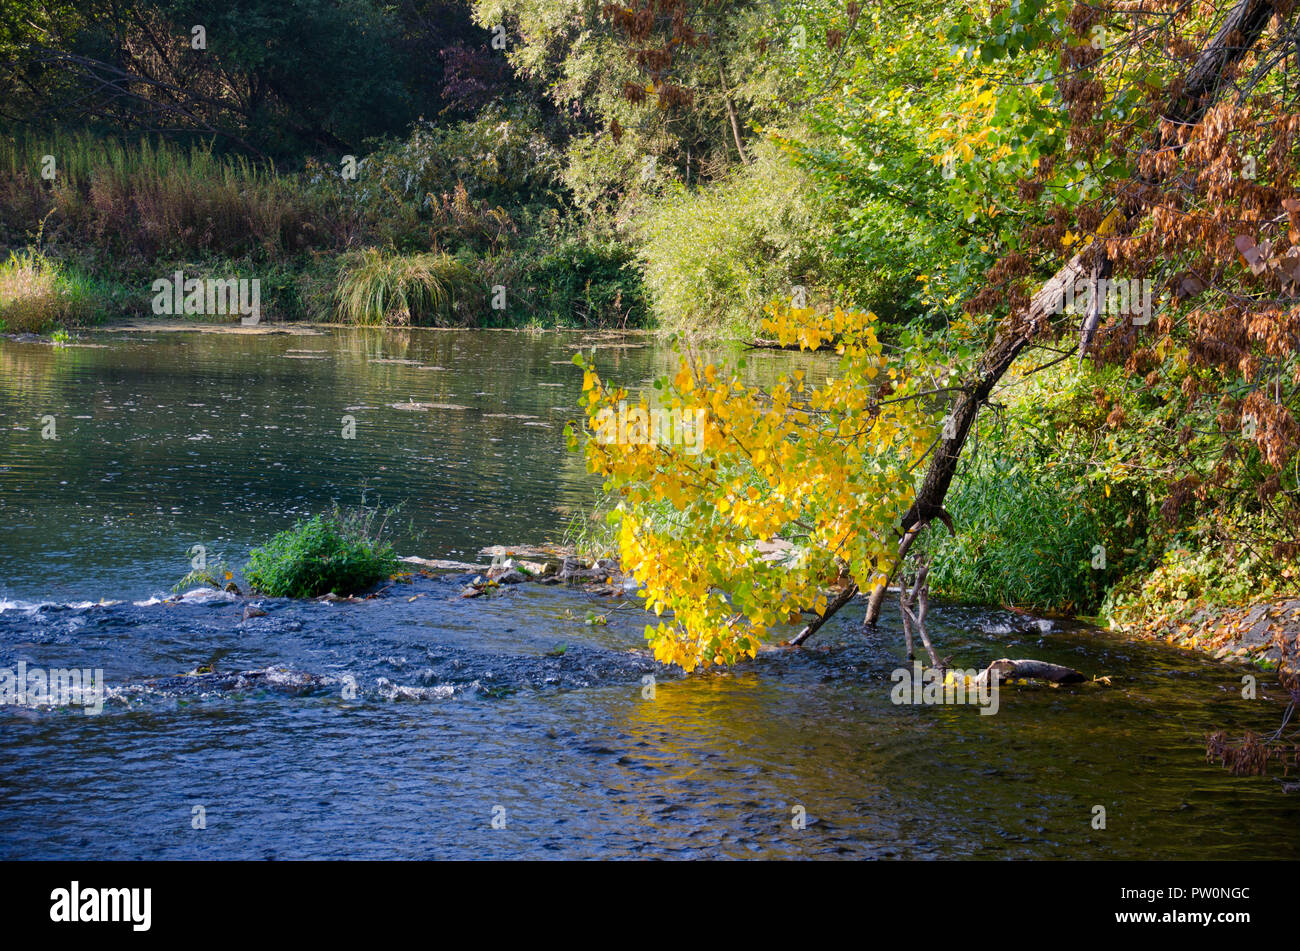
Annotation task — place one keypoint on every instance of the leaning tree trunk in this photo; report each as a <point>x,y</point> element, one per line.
<point>1240,31</point>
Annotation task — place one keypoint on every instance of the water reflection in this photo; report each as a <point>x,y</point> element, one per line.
<point>167,440</point>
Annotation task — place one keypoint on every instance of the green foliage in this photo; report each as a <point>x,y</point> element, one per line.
<point>432,245</point>
<point>1030,535</point>
<point>500,157</point>
<point>592,531</point>
<point>714,257</point>
<point>587,282</point>
<point>1038,523</point>
<point>913,231</point>
<point>382,288</point>
<point>567,49</point>
<point>37,293</point>
<point>1082,459</point>
<point>339,552</point>
<point>1188,580</point>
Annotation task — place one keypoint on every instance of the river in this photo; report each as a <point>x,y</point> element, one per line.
<point>505,726</point>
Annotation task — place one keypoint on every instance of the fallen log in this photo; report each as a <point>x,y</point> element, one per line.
<point>762,343</point>
<point>1008,669</point>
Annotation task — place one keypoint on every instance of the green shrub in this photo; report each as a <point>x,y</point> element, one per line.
<point>442,215</point>
<point>714,257</point>
<point>588,282</point>
<point>1032,510</point>
<point>384,288</point>
<point>500,157</point>
<point>1027,535</point>
<point>336,552</point>
<point>37,293</point>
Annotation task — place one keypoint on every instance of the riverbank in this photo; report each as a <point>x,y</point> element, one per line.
<point>384,245</point>
<point>1264,634</point>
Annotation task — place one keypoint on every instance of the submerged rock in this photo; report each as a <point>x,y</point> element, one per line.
<point>575,570</point>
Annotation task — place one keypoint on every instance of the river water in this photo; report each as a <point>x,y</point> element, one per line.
<point>506,726</point>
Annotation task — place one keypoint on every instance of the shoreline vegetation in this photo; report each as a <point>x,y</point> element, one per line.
<point>390,248</point>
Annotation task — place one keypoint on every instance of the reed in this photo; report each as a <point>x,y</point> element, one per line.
<point>152,198</point>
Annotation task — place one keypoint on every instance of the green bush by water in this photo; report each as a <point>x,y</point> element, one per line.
<point>337,552</point>
<point>37,293</point>
<point>1029,536</point>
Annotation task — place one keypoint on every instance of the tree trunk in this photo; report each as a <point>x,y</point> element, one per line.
<point>731,114</point>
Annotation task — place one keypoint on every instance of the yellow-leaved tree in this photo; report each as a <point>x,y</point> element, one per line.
<point>739,505</point>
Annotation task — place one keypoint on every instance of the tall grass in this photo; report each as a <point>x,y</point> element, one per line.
<point>590,531</point>
<point>385,288</point>
<point>136,211</point>
<point>152,198</point>
<point>1028,535</point>
<point>37,293</point>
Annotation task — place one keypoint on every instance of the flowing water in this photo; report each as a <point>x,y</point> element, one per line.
<point>503,726</point>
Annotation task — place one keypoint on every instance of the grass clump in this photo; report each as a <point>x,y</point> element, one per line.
<point>37,293</point>
<point>379,288</point>
<point>337,552</point>
<point>215,576</point>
